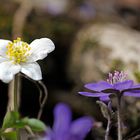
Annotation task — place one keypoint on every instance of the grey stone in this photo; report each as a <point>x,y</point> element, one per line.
<point>101,48</point>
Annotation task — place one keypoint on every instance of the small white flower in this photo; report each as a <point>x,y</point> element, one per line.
<point>19,56</point>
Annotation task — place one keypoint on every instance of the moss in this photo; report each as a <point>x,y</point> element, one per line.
<point>88,44</point>
<point>137,75</point>
<point>117,65</point>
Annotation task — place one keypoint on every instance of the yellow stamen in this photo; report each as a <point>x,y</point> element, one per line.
<point>18,51</point>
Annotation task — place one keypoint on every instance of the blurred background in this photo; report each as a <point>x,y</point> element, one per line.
<point>92,38</point>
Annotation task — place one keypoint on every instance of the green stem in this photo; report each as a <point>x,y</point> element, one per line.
<point>15,99</point>
<point>16,93</point>
<point>119,118</point>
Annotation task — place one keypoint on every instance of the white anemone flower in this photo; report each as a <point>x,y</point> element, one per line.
<point>19,56</point>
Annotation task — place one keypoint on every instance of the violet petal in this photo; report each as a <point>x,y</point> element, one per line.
<point>99,86</point>
<point>123,85</point>
<point>105,98</point>
<point>81,127</point>
<point>135,88</point>
<point>62,118</point>
<point>89,94</point>
<point>131,94</point>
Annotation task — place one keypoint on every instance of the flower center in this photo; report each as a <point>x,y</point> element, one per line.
<point>116,77</point>
<point>18,51</point>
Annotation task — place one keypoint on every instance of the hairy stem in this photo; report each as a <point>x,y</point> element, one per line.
<point>119,118</point>
<point>108,129</point>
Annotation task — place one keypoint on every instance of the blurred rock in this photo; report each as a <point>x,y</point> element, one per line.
<point>129,10</point>
<point>85,11</point>
<point>105,7</point>
<point>129,3</point>
<point>101,48</point>
<point>54,7</point>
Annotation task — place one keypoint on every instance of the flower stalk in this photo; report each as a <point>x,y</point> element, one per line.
<point>16,99</point>
<point>119,118</point>
<point>14,88</point>
<point>108,129</point>
<point>16,93</point>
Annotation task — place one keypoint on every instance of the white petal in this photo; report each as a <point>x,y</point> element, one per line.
<point>8,70</point>
<point>32,70</point>
<point>3,44</point>
<point>40,48</point>
<point>3,59</point>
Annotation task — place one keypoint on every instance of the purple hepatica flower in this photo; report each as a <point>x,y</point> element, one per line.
<point>65,129</point>
<point>116,84</point>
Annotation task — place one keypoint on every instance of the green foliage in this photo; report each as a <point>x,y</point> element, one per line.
<point>10,135</point>
<point>36,125</point>
<point>10,119</point>
<point>13,122</point>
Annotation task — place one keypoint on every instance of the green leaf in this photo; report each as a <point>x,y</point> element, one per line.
<point>10,135</point>
<point>36,125</point>
<point>21,123</point>
<point>10,119</point>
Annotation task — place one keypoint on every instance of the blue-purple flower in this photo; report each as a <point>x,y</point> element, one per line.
<point>117,84</point>
<point>66,129</point>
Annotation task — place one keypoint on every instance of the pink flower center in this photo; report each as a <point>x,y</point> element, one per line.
<point>116,77</point>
